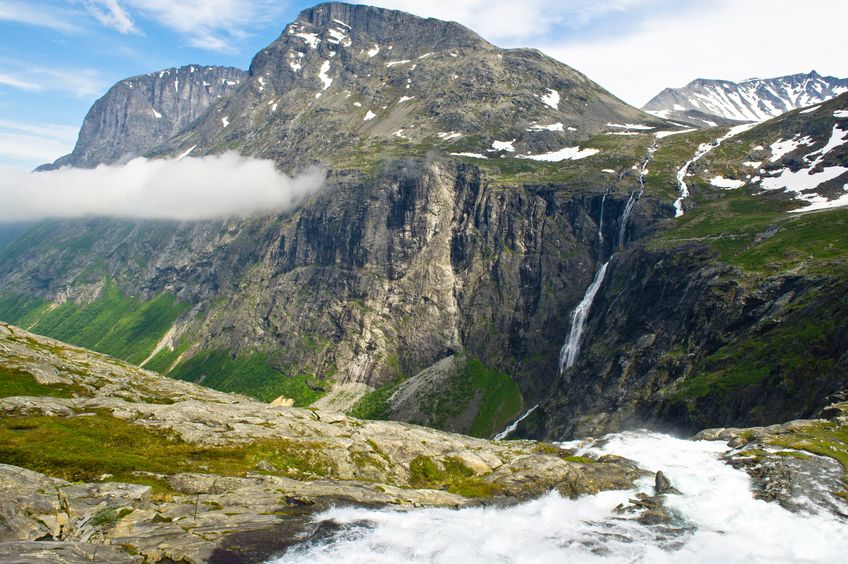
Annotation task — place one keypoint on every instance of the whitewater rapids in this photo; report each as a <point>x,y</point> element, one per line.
<point>716,519</point>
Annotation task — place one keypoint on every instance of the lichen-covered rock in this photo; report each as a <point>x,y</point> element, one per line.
<point>222,464</point>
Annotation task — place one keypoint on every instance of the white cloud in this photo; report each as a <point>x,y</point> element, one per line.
<point>510,22</point>
<point>726,39</point>
<point>78,82</point>
<point>62,133</point>
<point>32,144</point>
<point>111,14</point>
<point>31,148</point>
<point>186,190</point>
<point>635,48</point>
<point>215,25</point>
<point>15,82</point>
<point>26,13</point>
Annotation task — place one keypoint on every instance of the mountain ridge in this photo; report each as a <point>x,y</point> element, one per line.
<point>139,113</point>
<point>723,102</point>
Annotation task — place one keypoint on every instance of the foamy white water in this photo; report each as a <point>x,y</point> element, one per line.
<point>721,520</point>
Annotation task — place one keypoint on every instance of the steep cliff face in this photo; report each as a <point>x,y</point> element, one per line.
<point>140,113</point>
<point>681,341</point>
<point>373,278</point>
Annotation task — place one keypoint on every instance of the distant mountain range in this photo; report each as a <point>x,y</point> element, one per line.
<point>707,103</point>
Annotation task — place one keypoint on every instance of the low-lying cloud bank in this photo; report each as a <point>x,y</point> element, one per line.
<point>185,189</point>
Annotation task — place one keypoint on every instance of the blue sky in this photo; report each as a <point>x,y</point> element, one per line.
<point>58,56</point>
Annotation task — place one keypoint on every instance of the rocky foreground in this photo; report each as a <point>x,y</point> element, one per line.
<point>800,464</point>
<point>105,461</point>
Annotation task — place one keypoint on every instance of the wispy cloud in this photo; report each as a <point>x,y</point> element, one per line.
<point>726,39</point>
<point>188,189</point>
<point>77,82</point>
<point>62,133</point>
<point>35,143</point>
<point>214,25</point>
<point>111,14</point>
<point>16,82</point>
<point>510,22</point>
<point>50,17</point>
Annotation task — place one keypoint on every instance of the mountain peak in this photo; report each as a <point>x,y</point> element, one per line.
<point>388,24</point>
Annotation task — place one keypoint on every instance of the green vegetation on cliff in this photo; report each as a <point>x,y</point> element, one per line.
<point>15,382</point>
<point>475,400</point>
<point>248,374</point>
<point>114,323</point>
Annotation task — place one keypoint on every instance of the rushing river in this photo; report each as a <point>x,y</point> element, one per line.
<point>716,520</point>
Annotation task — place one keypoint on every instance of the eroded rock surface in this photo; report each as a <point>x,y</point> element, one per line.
<point>273,462</point>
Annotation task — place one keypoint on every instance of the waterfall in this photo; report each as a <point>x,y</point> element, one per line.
<point>571,348</point>
<point>631,201</point>
<point>601,220</point>
<point>569,351</point>
<point>703,149</point>
<point>514,425</point>
<point>635,195</point>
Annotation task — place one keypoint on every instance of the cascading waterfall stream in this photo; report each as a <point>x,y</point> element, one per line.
<point>716,518</point>
<point>514,425</point>
<point>601,220</point>
<point>703,149</point>
<point>635,195</point>
<point>571,348</point>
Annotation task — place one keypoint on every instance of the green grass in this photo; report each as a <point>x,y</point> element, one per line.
<point>113,324</point>
<point>19,383</point>
<point>822,438</point>
<point>758,236</point>
<point>501,399</point>
<point>375,405</point>
<point>497,395</point>
<point>450,474</point>
<point>85,448</point>
<point>248,374</point>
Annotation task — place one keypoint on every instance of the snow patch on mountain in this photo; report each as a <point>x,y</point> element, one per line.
<point>783,147</point>
<point>552,127</point>
<point>504,146</point>
<point>566,154</point>
<point>726,183</point>
<point>326,80</point>
<point>551,98</point>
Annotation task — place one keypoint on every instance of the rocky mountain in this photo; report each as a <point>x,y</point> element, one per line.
<point>343,80</point>
<point>707,103</point>
<point>483,208</point>
<point>140,113</point>
<point>738,313</point>
<point>416,249</point>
